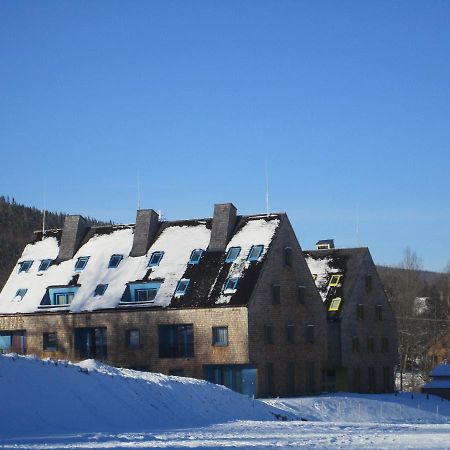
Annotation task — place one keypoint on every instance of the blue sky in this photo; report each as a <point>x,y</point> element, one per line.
<point>347,101</point>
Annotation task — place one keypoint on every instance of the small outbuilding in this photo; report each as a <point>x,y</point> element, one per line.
<point>440,383</point>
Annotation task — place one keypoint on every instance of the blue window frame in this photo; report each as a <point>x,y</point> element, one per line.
<point>114,261</point>
<point>232,254</point>
<point>24,266</point>
<point>255,252</point>
<point>196,255</point>
<point>44,265</point>
<point>81,263</point>
<point>100,289</point>
<point>176,341</point>
<point>62,298</point>
<point>145,295</point>
<point>142,292</point>
<point>182,286</point>
<point>230,285</point>
<point>220,336</point>
<point>21,293</point>
<point>155,259</point>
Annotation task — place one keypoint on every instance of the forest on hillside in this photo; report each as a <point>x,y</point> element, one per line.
<point>17,224</point>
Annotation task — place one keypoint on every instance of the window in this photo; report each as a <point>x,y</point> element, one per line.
<point>20,294</point>
<point>310,334</point>
<point>301,294</point>
<point>290,333</point>
<point>90,343</point>
<point>355,344</point>
<point>155,259</point>
<point>50,342</point>
<point>379,312</point>
<point>255,252</point>
<point>100,289</point>
<point>291,378</point>
<point>268,334</point>
<point>230,285</point>
<point>357,379</point>
<point>63,298</point>
<point>387,377</point>
<point>288,256</point>
<point>360,312</point>
<point>311,383</point>
<point>141,292</point>
<point>385,344</point>
<point>24,266</point>
<point>335,303</point>
<point>44,265</point>
<point>182,287</point>
<point>58,296</point>
<point>335,280</point>
<point>232,254</point>
<point>370,344</point>
<point>133,338</point>
<point>220,336</point>
<point>114,261</point>
<point>372,382</point>
<point>176,341</point>
<point>145,295</point>
<point>314,276</point>
<point>368,283</point>
<point>196,255</point>
<point>276,293</point>
<point>81,263</point>
<point>269,376</point>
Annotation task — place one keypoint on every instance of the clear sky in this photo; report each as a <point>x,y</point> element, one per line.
<point>347,101</point>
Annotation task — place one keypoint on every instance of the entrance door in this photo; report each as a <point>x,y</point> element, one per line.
<point>90,343</point>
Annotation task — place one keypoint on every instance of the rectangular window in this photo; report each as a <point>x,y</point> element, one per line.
<point>288,256</point>
<point>355,344</point>
<point>62,298</point>
<point>176,341</point>
<point>268,334</point>
<point>357,379</point>
<point>50,342</point>
<point>276,293</point>
<point>20,294</point>
<point>155,259</point>
<point>25,266</point>
<point>230,285</point>
<point>220,336</point>
<point>360,312</point>
<point>141,292</point>
<point>90,343</point>
<point>145,295</point>
<point>301,294</point>
<point>290,333</point>
<point>368,282</point>
<point>387,379</point>
<point>100,289</point>
<point>311,377</point>
<point>13,341</point>
<point>335,280</point>
<point>232,254</point>
<point>133,338</point>
<point>270,381</point>
<point>182,287</point>
<point>335,304</point>
<point>370,344</point>
<point>372,381</point>
<point>44,265</point>
<point>291,378</point>
<point>385,344</point>
<point>196,255</point>
<point>81,263</point>
<point>310,334</point>
<point>114,261</point>
<point>379,312</point>
<point>255,252</point>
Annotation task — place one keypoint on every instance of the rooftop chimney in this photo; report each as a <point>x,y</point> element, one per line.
<point>75,228</point>
<point>223,224</point>
<point>325,244</point>
<point>147,222</point>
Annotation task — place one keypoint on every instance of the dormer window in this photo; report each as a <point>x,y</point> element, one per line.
<point>44,265</point>
<point>100,290</point>
<point>335,280</point>
<point>24,266</point>
<point>335,303</point>
<point>114,261</point>
<point>182,287</point>
<point>20,294</point>
<point>255,252</point>
<point>196,255</point>
<point>231,285</point>
<point>145,295</point>
<point>155,259</point>
<point>81,263</point>
<point>58,296</point>
<point>142,292</point>
<point>232,254</point>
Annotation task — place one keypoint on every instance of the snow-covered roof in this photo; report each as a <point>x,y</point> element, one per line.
<point>176,239</point>
<point>441,370</point>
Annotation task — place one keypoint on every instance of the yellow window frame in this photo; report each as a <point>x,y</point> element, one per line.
<point>335,303</point>
<point>335,280</point>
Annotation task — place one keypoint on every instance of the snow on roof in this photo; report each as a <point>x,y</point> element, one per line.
<point>321,268</point>
<point>441,370</point>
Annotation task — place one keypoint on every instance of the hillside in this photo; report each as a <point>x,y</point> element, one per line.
<point>17,223</point>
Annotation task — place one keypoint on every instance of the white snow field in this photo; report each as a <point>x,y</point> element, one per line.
<point>50,405</point>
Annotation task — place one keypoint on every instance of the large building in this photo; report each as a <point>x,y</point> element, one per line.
<point>361,327</point>
<point>228,299</point>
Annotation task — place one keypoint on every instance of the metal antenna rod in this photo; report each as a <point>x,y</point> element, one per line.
<point>138,189</point>
<point>267,189</point>
<point>43,212</point>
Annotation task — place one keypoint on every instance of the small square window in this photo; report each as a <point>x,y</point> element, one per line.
<point>301,294</point>
<point>145,295</point>
<point>81,263</point>
<point>114,261</point>
<point>220,336</point>
<point>231,285</point>
<point>50,342</point>
<point>155,259</point>
<point>44,265</point>
<point>255,252</point>
<point>100,289</point>
<point>20,294</point>
<point>25,266</point>
<point>335,280</point>
<point>276,294</point>
<point>133,339</point>
<point>232,254</point>
<point>335,303</point>
<point>182,287</point>
<point>196,255</point>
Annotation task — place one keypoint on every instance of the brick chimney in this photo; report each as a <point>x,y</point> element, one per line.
<point>75,228</point>
<point>147,222</point>
<point>223,224</point>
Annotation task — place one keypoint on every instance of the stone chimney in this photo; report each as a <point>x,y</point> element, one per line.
<point>147,222</point>
<point>223,224</point>
<point>75,228</point>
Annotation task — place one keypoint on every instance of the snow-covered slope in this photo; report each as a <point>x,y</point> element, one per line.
<point>43,398</point>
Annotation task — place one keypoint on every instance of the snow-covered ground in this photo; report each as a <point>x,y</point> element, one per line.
<point>48,405</point>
